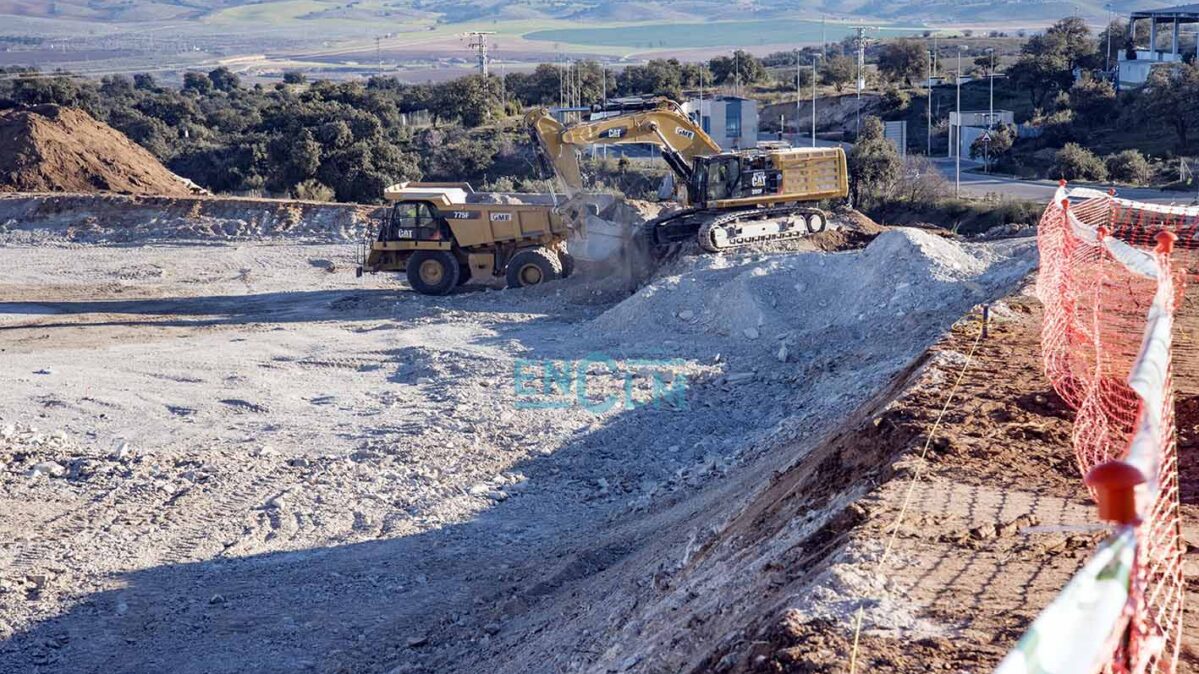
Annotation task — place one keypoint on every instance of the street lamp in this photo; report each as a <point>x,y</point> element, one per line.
<point>815,59</point>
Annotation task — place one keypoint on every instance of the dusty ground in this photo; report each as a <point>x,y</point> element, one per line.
<point>237,457</point>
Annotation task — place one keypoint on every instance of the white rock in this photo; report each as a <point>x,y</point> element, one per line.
<point>480,489</point>
<point>739,377</point>
<point>48,468</point>
<point>686,314</point>
<point>783,353</point>
<point>751,333</point>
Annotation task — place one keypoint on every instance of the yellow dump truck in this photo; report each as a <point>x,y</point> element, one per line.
<point>443,235</point>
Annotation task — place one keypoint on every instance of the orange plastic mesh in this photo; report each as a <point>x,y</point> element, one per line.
<point>1095,321</point>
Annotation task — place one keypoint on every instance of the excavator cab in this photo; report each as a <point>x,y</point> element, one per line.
<point>714,178</point>
<point>726,176</point>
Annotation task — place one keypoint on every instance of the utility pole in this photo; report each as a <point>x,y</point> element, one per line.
<point>928,85</point>
<point>991,113</point>
<point>957,153</point>
<point>815,60</point>
<point>1108,62</point>
<point>861,83</point>
<point>736,73</point>
<point>936,51</point>
<point>479,44</point>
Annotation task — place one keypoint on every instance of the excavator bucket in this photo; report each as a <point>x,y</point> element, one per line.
<point>547,138</point>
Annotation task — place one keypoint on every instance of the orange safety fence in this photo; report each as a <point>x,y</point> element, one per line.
<point>1110,293</point>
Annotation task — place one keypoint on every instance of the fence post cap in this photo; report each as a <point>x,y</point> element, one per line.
<point>1101,232</point>
<point>1111,191</point>
<point>1061,182</point>
<point>1165,241</point>
<point>1114,474</point>
<point>1066,204</point>
<point>1115,484</point>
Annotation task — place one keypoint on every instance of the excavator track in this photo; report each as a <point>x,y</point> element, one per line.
<point>723,230</point>
<point>742,228</point>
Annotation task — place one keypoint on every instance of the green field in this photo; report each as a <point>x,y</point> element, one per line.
<point>710,34</point>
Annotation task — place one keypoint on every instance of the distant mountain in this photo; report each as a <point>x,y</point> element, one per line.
<point>606,11</point>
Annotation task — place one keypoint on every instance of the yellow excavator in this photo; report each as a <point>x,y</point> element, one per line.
<point>731,198</point>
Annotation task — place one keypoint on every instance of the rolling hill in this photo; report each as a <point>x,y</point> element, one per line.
<point>587,11</point>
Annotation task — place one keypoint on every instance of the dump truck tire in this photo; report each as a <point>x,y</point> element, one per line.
<point>433,272</point>
<point>533,266</point>
<point>568,263</point>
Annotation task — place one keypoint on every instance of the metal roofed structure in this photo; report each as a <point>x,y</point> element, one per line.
<point>1136,61</point>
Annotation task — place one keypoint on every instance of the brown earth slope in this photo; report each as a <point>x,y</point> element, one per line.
<point>48,148</point>
<point>999,520</point>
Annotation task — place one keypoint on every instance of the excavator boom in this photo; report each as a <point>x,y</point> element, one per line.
<point>678,137</point>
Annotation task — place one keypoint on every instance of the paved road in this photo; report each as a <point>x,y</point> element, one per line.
<point>979,184</point>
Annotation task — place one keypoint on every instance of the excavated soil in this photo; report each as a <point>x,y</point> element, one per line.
<point>48,148</point>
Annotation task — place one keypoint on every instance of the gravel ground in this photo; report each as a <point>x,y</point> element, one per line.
<point>225,458</point>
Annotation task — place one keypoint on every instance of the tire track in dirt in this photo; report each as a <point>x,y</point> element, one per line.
<point>217,511</point>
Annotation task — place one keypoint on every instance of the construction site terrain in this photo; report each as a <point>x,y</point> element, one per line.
<point>222,452</point>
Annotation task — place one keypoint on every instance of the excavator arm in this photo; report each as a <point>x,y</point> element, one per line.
<point>666,126</point>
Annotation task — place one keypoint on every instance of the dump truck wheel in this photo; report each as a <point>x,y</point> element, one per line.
<point>533,266</point>
<point>568,263</point>
<point>433,272</point>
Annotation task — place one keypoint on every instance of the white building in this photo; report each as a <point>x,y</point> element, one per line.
<point>967,126</point>
<point>1163,44</point>
<point>731,121</point>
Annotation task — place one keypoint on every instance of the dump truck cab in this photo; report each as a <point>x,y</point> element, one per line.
<point>442,235</point>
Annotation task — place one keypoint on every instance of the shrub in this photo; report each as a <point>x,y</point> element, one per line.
<point>1075,162</point>
<point>874,164</point>
<point>895,100</point>
<point>312,190</point>
<point>1129,167</point>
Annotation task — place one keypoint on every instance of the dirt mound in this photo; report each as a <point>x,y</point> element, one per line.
<point>48,148</point>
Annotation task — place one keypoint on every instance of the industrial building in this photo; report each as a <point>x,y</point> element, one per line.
<point>731,121</point>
